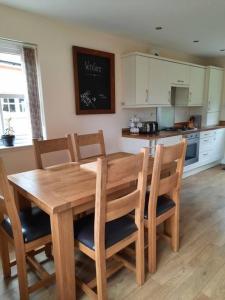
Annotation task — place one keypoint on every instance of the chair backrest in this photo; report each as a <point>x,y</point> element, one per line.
<point>86,140</point>
<point>132,169</point>
<point>8,205</point>
<point>53,145</point>
<point>169,185</point>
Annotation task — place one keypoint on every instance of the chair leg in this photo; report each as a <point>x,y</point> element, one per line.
<point>5,259</point>
<point>22,272</point>
<point>140,258</point>
<point>175,232</point>
<point>152,248</point>
<point>48,250</point>
<point>101,279</point>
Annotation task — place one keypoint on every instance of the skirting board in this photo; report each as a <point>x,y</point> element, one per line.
<point>202,168</point>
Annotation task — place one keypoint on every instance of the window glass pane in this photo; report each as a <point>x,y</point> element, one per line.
<point>15,107</point>
<point>5,107</point>
<point>12,107</point>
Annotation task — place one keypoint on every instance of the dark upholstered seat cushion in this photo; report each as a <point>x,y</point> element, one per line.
<point>115,230</point>
<point>163,205</point>
<point>35,224</point>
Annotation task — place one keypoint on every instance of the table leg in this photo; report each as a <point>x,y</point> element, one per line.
<point>21,201</point>
<point>63,250</point>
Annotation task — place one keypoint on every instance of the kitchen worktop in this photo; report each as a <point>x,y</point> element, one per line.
<point>164,134</point>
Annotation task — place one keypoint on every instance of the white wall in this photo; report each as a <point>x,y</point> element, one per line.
<point>55,40</point>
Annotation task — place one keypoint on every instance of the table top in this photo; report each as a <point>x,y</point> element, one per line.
<point>62,187</point>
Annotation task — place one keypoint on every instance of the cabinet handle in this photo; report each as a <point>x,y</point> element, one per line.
<point>209,105</point>
<point>147,95</point>
<point>190,94</point>
<point>180,80</point>
<point>205,140</point>
<point>169,98</point>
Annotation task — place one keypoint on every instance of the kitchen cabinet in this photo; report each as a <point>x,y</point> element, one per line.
<point>133,145</point>
<point>159,87</point>
<point>214,88</point>
<point>135,80</point>
<point>218,144</point>
<point>178,73</point>
<point>145,82</point>
<point>142,80</point>
<point>169,141</point>
<point>212,146</point>
<point>197,86</point>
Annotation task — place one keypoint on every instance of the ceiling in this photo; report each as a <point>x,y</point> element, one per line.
<point>183,20</point>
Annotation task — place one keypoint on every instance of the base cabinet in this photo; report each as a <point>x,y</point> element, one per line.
<point>211,149</point>
<point>132,145</point>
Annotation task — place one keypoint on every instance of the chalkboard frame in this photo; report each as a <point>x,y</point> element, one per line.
<point>111,57</point>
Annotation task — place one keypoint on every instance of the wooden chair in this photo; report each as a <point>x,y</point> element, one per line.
<point>163,202</point>
<point>28,230</point>
<point>53,145</point>
<point>86,140</point>
<point>103,234</point>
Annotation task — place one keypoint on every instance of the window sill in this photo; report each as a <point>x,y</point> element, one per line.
<point>15,147</point>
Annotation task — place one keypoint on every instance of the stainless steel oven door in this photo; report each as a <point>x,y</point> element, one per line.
<point>192,153</point>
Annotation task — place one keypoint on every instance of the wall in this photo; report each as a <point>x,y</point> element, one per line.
<point>54,40</point>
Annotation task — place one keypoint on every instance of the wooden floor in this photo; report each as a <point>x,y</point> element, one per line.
<point>197,271</point>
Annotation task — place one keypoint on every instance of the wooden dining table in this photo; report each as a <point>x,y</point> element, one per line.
<point>62,192</point>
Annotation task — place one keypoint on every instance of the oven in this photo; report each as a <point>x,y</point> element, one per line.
<point>192,153</point>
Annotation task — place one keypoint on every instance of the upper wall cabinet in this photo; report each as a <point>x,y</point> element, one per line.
<point>197,86</point>
<point>135,80</point>
<point>214,86</point>
<point>145,82</point>
<point>150,81</point>
<point>159,87</point>
<point>178,74</point>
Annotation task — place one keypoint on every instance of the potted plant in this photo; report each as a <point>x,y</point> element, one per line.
<point>8,137</point>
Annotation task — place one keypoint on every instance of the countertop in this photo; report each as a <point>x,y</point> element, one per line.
<point>164,134</point>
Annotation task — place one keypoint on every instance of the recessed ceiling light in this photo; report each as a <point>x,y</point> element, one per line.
<point>158,27</point>
<point>222,50</point>
<point>196,41</point>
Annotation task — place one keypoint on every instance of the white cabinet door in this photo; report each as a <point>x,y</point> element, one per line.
<point>169,141</point>
<point>132,145</point>
<point>159,88</point>
<point>197,85</point>
<point>219,144</point>
<point>178,74</point>
<point>215,85</point>
<point>142,80</point>
<point>129,80</point>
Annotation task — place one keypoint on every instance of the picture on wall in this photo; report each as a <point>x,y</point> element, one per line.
<point>94,76</point>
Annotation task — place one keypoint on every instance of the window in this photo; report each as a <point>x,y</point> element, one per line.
<point>13,97</point>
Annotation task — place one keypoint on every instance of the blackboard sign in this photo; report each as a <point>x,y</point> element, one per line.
<point>94,74</point>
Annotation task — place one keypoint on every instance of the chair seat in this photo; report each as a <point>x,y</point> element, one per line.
<point>35,224</point>
<point>115,230</point>
<point>164,204</point>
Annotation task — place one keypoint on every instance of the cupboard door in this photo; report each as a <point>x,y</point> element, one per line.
<point>159,88</point>
<point>178,73</point>
<point>215,90</point>
<point>129,80</point>
<point>197,84</point>
<point>142,79</point>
